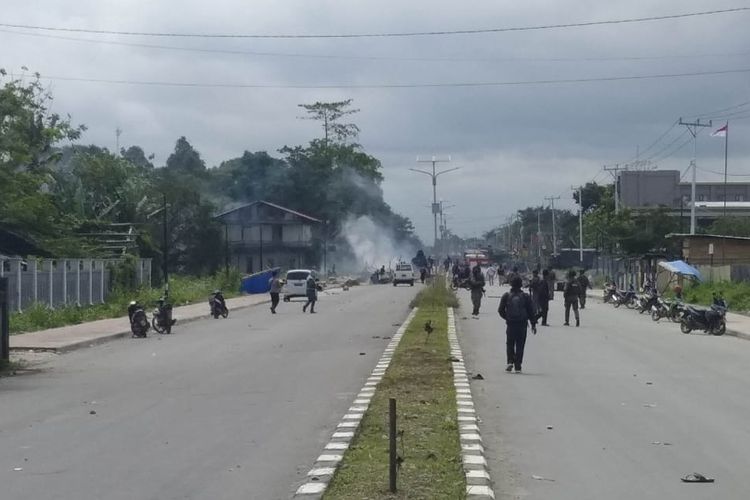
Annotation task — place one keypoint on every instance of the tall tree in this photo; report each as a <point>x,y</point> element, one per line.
<point>186,160</point>
<point>329,114</point>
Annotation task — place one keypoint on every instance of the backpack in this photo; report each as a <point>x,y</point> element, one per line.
<point>515,310</point>
<point>574,289</point>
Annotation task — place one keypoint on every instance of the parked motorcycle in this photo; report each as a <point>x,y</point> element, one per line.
<point>609,293</point>
<point>672,309</point>
<point>646,301</point>
<point>629,298</point>
<point>218,305</point>
<point>162,320</point>
<point>138,320</point>
<point>712,320</point>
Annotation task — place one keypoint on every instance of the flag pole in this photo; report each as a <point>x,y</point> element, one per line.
<point>726,147</point>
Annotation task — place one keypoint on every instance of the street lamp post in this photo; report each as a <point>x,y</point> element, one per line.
<point>434,175</point>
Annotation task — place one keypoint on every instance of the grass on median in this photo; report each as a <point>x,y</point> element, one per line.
<point>421,380</point>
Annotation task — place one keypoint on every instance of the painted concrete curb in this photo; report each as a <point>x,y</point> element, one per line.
<point>478,482</point>
<point>327,463</point>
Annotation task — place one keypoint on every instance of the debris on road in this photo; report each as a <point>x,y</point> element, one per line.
<point>649,383</point>
<point>454,359</point>
<point>541,478</point>
<point>362,353</point>
<point>92,412</point>
<point>478,376</point>
<point>649,405</point>
<point>662,443</point>
<point>18,469</point>
<point>549,427</point>
<point>696,477</point>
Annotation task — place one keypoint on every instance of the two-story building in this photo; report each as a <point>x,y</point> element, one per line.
<point>261,235</point>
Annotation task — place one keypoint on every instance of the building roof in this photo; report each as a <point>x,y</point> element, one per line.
<point>716,236</point>
<point>273,205</point>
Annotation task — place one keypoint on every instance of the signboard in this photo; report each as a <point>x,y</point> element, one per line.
<point>710,249</point>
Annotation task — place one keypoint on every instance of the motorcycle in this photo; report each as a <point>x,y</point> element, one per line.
<point>609,293</point>
<point>628,298</point>
<point>672,309</point>
<point>138,320</point>
<point>162,320</point>
<point>218,305</point>
<point>459,283</point>
<point>712,320</point>
<point>646,301</point>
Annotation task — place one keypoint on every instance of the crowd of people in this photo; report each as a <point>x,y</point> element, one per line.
<point>518,308</point>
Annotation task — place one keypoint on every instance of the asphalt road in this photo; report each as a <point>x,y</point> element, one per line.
<point>231,409</point>
<point>633,406</point>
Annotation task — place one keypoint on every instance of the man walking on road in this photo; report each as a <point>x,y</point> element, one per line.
<point>540,293</point>
<point>572,294</point>
<point>312,293</point>
<point>585,284</point>
<point>275,290</point>
<point>476,283</point>
<point>517,309</point>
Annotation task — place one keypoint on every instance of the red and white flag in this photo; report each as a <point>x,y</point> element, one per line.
<point>722,132</point>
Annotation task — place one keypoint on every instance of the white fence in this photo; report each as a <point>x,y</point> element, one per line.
<point>61,282</point>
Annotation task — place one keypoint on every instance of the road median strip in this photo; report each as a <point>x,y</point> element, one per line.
<point>434,415</point>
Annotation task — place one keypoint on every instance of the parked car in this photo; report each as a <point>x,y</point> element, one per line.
<point>404,273</point>
<point>295,283</point>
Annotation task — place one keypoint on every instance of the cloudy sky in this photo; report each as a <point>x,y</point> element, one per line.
<point>514,144</point>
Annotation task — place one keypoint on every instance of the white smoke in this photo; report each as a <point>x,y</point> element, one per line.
<point>374,245</point>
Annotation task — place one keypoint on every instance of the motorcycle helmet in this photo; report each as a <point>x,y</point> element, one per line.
<point>132,303</point>
<point>216,291</point>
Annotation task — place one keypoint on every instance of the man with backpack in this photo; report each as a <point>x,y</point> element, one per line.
<point>572,294</point>
<point>517,309</point>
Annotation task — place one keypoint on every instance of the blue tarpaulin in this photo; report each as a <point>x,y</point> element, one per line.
<point>682,268</point>
<point>258,282</point>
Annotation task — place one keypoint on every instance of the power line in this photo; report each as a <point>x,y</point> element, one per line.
<point>393,85</point>
<point>722,173</point>
<point>730,108</point>
<point>373,57</point>
<point>381,35</point>
<point>665,148</point>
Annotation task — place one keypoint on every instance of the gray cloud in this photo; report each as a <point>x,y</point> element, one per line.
<point>515,144</point>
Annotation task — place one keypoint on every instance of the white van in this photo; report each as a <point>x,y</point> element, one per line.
<point>295,283</point>
<point>404,273</point>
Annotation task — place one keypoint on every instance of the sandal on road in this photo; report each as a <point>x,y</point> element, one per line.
<point>696,477</point>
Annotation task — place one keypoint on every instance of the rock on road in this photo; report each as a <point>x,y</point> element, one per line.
<point>236,408</point>
<point>633,406</point>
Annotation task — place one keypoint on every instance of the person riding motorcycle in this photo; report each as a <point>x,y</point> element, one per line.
<point>218,297</point>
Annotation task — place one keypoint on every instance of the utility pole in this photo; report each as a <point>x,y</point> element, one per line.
<point>616,169</point>
<point>118,133</point>
<point>552,199</point>
<point>693,128</point>
<point>434,175</point>
<point>539,235</point>
<point>165,250</point>
<point>580,222</point>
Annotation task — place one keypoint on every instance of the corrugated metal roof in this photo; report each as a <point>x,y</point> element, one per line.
<point>274,205</point>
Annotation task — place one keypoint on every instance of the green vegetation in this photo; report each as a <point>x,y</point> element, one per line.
<point>182,290</point>
<point>421,380</point>
<point>437,295</point>
<point>736,294</point>
<point>62,199</point>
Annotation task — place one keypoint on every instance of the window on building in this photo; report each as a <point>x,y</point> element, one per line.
<point>739,197</point>
<point>701,197</point>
